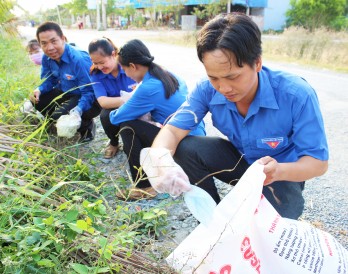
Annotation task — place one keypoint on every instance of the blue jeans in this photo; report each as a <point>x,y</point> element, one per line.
<point>201,156</point>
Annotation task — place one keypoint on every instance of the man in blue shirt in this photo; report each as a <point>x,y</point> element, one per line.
<point>266,115</point>
<point>67,85</point>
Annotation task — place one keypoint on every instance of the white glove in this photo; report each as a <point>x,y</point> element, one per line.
<point>164,174</point>
<point>76,111</point>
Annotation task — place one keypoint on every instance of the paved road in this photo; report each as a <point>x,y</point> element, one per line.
<point>326,197</point>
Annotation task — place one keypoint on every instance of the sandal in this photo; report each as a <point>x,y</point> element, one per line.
<point>136,193</point>
<point>110,151</point>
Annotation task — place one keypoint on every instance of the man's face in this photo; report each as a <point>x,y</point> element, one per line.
<point>52,44</point>
<point>237,84</point>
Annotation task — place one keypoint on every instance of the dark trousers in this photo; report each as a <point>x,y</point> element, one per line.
<point>201,156</point>
<point>55,104</point>
<point>136,135</point>
<point>110,130</point>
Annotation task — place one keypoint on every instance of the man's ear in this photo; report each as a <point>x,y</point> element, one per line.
<point>133,66</point>
<point>258,64</point>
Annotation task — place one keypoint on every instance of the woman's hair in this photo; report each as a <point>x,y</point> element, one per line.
<point>104,46</point>
<point>232,33</point>
<point>135,51</point>
<point>32,45</point>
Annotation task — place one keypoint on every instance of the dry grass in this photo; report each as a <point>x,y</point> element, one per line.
<point>322,48</point>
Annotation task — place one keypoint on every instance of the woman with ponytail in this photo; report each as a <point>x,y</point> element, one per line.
<point>108,80</point>
<point>159,93</point>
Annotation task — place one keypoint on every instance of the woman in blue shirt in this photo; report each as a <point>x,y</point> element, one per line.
<point>108,80</point>
<point>158,92</point>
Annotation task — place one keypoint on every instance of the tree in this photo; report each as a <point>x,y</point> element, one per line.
<point>312,14</point>
<point>211,10</point>
<point>7,19</point>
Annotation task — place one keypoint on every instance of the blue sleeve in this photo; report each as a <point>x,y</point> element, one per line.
<point>138,105</point>
<point>50,79</point>
<point>98,87</point>
<point>84,83</point>
<point>308,121</point>
<point>192,112</point>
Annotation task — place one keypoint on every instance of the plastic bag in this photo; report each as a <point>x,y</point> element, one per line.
<point>247,235</point>
<point>67,125</point>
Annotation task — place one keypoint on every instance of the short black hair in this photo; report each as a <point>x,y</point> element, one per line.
<point>235,33</point>
<point>49,26</point>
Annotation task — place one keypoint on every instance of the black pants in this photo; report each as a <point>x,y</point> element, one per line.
<point>110,130</point>
<point>201,156</point>
<point>54,104</point>
<point>136,135</point>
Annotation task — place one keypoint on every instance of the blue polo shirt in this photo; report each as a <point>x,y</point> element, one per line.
<point>149,96</point>
<point>110,86</point>
<point>283,121</point>
<point>70,74</point>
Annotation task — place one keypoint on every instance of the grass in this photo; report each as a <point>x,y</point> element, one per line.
<point>57,213</point>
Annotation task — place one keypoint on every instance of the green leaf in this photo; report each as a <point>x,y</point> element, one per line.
<point>75,228</point>
<point>39,222</point>
<point>46,263</point>
<point>80,268</point>
<point>49,220</point>
<point>149,216</point>
<point>35,237</point>
<point>71,215</point>
<point>82,224</point>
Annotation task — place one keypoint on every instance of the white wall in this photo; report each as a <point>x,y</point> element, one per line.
<point>274,16</point>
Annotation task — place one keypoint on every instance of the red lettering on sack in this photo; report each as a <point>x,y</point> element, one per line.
<point>226,269</point>
<point>249,254</point>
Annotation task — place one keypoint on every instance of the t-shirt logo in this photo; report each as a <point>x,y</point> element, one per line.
<point>272,142</point>
<point>68,76</point>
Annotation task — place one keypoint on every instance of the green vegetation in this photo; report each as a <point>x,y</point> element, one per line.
<point>58,213</point>
<point>317,14</point>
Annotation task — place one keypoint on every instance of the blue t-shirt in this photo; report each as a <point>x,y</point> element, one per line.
<point>283,121</point>
<point>70,74</point>
<point>110,86</point>
<point>149,96</point>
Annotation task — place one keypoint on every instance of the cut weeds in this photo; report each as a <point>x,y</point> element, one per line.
<point>55,214</point>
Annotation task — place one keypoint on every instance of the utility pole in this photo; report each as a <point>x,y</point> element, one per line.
<point>98,16</point>
<point>104,14</point>
<point>228,6</point>
<point>59,19</point>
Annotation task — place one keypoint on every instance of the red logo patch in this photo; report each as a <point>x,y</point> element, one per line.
<point>272,144</point>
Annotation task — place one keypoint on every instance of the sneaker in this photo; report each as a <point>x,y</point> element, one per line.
<point>136,193</point>
<point>89,134</point>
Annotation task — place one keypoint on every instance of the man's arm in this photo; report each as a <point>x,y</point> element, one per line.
<point>169,137</point>
<point>304,169</point>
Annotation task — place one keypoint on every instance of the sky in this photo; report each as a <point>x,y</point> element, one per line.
<point>34,6</point>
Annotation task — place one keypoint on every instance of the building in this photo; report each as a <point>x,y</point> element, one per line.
<point>268,14</point>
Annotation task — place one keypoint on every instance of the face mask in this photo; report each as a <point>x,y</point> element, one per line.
<point>36,57</point>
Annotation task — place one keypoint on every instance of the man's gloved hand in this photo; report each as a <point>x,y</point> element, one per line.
<point>164,174</point>
<point>76,111</point>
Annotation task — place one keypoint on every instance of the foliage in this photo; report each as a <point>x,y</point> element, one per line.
<point>312,14</point>
<point>126,12</point>
<point>211,10</point>
<point>7,26</point>
<point>55,214</point>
